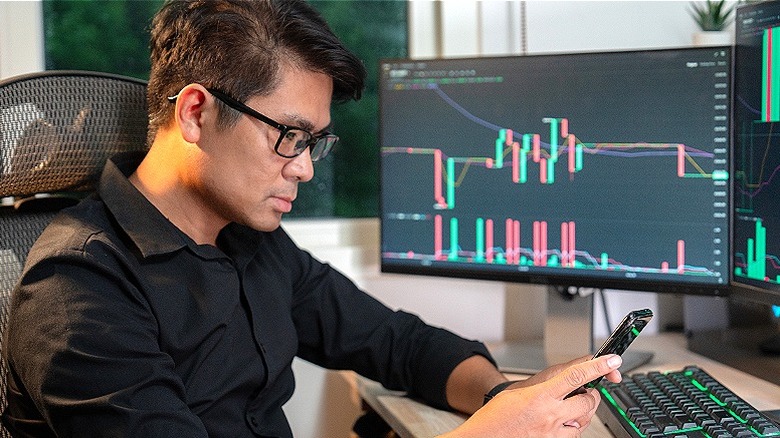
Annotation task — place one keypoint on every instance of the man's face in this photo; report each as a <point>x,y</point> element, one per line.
<point>239,176</point>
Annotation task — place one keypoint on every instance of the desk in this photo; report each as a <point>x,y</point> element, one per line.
<point>411,419</point>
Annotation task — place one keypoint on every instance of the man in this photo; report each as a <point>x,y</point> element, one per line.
<point>172,304</point>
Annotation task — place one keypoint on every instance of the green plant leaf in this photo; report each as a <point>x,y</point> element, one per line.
<point>711,15</point>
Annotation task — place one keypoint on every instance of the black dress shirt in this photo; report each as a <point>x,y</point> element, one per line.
<point>124,326</point>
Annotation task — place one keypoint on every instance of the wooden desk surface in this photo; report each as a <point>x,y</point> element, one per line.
<point>411,419</point>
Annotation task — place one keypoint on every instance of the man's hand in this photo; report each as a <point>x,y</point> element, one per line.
<point>552,403</point>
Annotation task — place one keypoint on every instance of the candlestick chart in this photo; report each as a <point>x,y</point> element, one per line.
<point>591,166</point>
<point>757,162</point>
<point>757,205</point>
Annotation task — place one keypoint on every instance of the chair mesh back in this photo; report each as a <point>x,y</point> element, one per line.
<point>18,232</point>
<point>57,129</point>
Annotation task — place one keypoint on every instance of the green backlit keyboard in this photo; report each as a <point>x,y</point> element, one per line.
<point>687,403</point>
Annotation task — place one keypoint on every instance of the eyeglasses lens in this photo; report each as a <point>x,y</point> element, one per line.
<point>323,146</point>
<point>295,141</point>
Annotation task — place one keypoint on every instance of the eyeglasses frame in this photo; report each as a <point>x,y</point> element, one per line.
<point>282,128</point>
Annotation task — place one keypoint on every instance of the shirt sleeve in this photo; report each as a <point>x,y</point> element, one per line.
<point>82,345</point>
<point>341,327</point>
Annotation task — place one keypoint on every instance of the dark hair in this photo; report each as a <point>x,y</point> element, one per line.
<point>239,46</point>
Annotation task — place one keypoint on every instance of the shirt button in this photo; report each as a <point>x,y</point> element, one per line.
<point>253,421</point>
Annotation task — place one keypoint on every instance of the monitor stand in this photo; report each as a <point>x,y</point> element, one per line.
<point>568,334</point>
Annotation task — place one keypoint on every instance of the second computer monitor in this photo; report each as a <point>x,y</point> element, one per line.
<point>757,153</point>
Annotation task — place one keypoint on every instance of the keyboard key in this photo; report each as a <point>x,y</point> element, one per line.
<point>684,421</point>
<point>766,428</point>
<point>634,414</point>
<point>708,421</point>
<point>647,427</point>
<point>666,423</point>
<point>742,409</point>
<point>625,401</point>
<point>718,432</point>
<point>720,415</point>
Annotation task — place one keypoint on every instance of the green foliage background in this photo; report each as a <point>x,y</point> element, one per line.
<point>113,36</point>
<point>108,36</point>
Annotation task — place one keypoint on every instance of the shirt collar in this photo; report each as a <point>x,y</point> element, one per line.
<point>152,233</point>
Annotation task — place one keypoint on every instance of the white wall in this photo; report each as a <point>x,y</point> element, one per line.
<point>325,404</point>
<point>473,28</point>
<point>21,37</point>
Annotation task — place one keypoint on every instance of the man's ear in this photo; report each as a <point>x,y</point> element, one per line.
<point>192,107</point>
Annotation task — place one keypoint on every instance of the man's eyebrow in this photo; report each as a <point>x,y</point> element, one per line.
<point>322,131</point>
<point>298,121</point>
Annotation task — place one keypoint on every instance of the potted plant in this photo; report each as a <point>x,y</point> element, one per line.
<point>712,17</point>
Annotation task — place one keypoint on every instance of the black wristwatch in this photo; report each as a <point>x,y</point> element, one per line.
<point>496,389</point>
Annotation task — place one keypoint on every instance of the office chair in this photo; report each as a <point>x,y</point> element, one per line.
<point>57,129</point>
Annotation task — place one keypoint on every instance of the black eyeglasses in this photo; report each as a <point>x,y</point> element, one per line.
<point>292,140</point>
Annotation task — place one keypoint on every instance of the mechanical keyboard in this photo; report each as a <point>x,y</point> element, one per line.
<point>686,403</point>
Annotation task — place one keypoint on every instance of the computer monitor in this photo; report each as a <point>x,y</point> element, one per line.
<point>603,170</point>
<point>757,152</point>
<point>756,235</point>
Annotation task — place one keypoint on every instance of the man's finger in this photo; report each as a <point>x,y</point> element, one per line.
<point>576,376</point>
<point>583,406</point>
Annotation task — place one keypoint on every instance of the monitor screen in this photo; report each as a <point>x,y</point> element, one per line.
<point>603,170</point>
<point>756,235</point>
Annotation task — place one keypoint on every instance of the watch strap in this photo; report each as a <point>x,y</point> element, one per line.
<point>496,389</point>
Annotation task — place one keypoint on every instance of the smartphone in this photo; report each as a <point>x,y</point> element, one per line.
<point>625,333</point>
